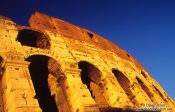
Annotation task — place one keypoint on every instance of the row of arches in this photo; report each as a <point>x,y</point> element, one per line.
<point>34,38</point>
<point>42,67</point>
<point>126,85</point>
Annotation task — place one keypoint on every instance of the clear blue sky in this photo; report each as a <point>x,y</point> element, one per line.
<point>145,28</point>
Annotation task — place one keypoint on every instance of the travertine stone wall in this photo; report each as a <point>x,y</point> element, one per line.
<point>117,80</point>
<point>17,88</point>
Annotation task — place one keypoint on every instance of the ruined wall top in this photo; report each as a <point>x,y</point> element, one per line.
<point>43,22</point>
<point>6,18</point>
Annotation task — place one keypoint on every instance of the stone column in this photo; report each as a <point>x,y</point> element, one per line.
<point>113,92</point>
<point>74,92</point>
<point>70,90</point>
<point>17,88</point>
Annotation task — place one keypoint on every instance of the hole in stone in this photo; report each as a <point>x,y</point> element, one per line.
<point>128,55</point>
<point>122,79</point>
<point>124,83</point>
<point>161,95</point>
<point>39,74</point>
<point>90,76</point>
<point>16,68</point>
<point>84,74</point>
<point>145,88</point>
<point>33,39</point>
<point>144,75</point>
<point>90,34</point>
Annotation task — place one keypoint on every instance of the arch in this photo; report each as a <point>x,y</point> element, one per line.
<point>48,53</point>
<point>125,83</point>
<point>32,52</point>
<point>160,94</point>
<point>91,77</point>
<point>145,88</point>
<point>33,38</point>
<point>122,79</point>
<point>144,75</point>
<point>43,74</point>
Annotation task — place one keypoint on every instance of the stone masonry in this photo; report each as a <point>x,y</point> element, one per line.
<point>54,66</point>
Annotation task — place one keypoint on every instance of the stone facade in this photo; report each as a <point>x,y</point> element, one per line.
<point>56,66</point>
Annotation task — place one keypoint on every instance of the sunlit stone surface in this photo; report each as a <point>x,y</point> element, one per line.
<point>54,66</point>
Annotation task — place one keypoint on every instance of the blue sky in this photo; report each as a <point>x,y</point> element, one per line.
<point>145,28</point>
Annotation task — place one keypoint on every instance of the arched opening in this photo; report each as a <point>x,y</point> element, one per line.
<point>40,72</point>
<point>144,75</point>
<point>124,83</point>
<point>145,88</point>
<point>90,76</point>
<point>90,35</point>
<point>33,39</point>
<point>122,79</point>
<point>160,94</point>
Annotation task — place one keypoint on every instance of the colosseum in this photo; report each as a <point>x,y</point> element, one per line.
<point>54,66</point>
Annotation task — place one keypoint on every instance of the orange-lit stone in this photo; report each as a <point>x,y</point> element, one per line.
<point>53,61</point>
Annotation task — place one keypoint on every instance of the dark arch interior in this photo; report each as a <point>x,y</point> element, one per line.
<point>33,39</point>
<point>145,88</point>
<point>39,74</point>
<point>124,83</point>
<point>144,75</point>
<point>161,95</point>
<point>85,70</point>
<point>90,75</point>
<point>28,37</point>
<point>90,35</point>
<point>122,79</point>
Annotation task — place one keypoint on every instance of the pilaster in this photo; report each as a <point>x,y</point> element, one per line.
<point>77,93</point>
<point>113,92</point>
<point>17,88</point>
